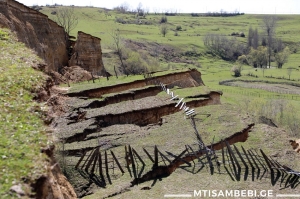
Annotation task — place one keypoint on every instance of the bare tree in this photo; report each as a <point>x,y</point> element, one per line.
<point>118,46</point>
<point>66,18</point>
<point>269,25</point>
<point>164,29</point>
<point>140,10</point>
<point>123,8</point>
<point>253,38</point>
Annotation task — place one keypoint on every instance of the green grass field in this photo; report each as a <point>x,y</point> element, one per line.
<point>101,23</point>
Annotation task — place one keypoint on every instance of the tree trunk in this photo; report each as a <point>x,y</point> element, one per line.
<point>93,77</point>
<point>115,71</point>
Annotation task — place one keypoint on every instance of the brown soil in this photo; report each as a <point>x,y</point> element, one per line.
<point>184,79</point>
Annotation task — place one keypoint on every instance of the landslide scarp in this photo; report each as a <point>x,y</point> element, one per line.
<point>116,115</point>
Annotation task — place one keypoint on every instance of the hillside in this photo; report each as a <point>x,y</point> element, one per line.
<point>132,136</point>
<point>25,169</point>
<point>183,44</point>
<point>111,116</point>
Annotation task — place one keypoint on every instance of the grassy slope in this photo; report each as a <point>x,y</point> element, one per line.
<point>97,22</point>
<point>213,70</point>
<point>22,130</point>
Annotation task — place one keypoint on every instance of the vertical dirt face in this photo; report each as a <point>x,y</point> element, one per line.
<point>183,79</point>
<point>87,54</point>
<point>55,184</point>
<point>37,31</point>
<point>49,39</point>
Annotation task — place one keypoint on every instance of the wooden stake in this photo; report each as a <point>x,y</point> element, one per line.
<point>117,162</point>
<point>155,156</point>
<point>100,164</point>
<point>87,159</point>
<point>106,163</point>
<point>95,161</point>
<point>148,155</point>
<point>126,157</point>
<point>80,160</point>
<point>163,156</point>
<point>236,149</point>
<point>132,162</point>
<point>90,162</point>
<point>247,157</point>
<point>138,156</point>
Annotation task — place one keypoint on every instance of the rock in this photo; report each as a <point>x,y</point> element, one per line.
<point>87,54</point>
<point>37,31</point>
<point>18,190</point>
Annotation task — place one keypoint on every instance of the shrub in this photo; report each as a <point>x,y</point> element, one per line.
<point>242,59</point>
<point>178,28</point>
<point>176,33</point>
<point>164,29</point>
<point>163,19</point>
<point>227,49</point>
<point>153,64</point>
<point>135,64</point>
<point>120,20</point>
<point>236,70</point>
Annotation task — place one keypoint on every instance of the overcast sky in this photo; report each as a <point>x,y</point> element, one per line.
<point>189,6</point>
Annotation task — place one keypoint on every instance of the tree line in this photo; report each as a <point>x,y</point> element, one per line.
<point>259,50</point>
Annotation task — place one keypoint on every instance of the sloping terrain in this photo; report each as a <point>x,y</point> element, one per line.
<point>143,122</point>
<point>109,116</point>
<point>27,164</point>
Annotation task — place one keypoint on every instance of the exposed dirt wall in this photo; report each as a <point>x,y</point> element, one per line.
<point>55,185</point>
<point>184,79</point>
<point>37,31</point>
<point>87,54</point>
<point>152,115</point>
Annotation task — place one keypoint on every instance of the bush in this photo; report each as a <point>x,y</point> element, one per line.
<point>135,64</point>
<point>236,70</point>
<point>164,29</point>
<point>163,19</point>
<point>178,28</point>
<point>176,34</point>
<point>120,20</point>
<point>153,64</point>
<point>227,49</point>
<point>242,59</point>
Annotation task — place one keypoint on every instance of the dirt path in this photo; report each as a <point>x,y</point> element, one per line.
<point>278,88</point>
